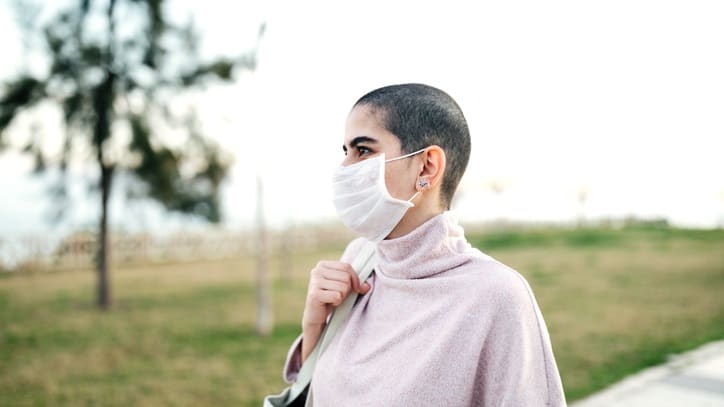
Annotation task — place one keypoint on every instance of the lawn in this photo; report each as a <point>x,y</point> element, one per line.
<point>615,301</point>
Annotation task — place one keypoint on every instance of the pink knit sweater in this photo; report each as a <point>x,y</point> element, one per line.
<point>443,325</point>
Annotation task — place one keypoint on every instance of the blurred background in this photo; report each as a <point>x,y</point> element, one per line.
<point>166,172</point>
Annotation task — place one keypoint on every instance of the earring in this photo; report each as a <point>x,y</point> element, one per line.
<point>423,183</point>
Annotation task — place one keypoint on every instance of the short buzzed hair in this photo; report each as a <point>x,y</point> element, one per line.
<point>421,116</point>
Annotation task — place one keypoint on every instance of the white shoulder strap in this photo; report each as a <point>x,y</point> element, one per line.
<point>363,265</point>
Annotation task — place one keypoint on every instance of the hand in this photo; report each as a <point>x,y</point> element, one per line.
<point>330,283</point>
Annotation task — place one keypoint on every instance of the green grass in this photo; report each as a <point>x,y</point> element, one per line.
<point>615,301</point>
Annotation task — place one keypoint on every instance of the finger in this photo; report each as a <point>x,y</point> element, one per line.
<point>346,275</point>
<point>355,279</point>
<point>333,285</point>
<point>329,297</point>
<point>364,288</point>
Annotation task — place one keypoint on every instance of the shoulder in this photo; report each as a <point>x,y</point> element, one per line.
<point>493,281</point>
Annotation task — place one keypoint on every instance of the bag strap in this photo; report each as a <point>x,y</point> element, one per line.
<point>342,311</point>
<point>363,265</point>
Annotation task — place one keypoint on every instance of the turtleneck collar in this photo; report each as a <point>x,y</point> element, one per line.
<point>432,248</point>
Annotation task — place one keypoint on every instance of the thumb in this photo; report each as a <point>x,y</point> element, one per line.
<point>364,288</point>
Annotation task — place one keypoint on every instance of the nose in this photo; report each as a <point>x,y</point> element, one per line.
<point>347,161</point>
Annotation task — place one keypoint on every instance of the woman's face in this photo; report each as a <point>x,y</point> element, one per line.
<point>365,137</point>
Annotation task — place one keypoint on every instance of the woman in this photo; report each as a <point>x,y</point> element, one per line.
<point>438,322</point>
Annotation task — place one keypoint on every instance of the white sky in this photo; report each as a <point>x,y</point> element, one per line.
<point>624,98</point>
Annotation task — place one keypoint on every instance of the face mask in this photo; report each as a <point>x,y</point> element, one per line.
<point>362,200</point>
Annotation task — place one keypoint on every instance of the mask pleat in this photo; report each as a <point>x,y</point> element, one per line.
<point>362,201</point>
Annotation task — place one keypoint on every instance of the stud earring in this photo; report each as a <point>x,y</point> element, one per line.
<point>423,183</point>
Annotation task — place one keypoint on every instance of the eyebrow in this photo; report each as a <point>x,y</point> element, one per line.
<point>359,140</point>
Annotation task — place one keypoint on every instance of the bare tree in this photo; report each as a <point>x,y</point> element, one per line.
<point>113,83</point>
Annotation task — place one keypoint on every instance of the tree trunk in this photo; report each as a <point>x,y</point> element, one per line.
<point>103,106</point>
<point>264,316</point>
<point>286,246</point>
<point>104,284</point>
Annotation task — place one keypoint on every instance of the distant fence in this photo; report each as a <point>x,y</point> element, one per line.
<point>79,250</point>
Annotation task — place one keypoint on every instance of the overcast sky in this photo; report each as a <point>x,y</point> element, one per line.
<point>622,98</point>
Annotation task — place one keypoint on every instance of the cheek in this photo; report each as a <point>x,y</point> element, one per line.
<point>400,183</point>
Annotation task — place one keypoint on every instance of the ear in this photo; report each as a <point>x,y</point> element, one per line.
<point>433,168</point>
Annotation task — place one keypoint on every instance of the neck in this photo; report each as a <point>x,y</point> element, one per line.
<point>425,210</point>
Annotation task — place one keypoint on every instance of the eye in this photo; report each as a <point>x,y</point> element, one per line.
<point>363,150</point>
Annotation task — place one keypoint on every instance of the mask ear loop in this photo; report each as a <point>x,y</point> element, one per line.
<point>406,155</point>
<point>421,181</point>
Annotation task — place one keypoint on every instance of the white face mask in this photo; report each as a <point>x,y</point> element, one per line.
<point>362,200</point>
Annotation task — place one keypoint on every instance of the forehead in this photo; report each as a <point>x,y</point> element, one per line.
<point>363,122</point>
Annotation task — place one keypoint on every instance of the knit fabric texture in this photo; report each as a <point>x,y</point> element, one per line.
<point>443,325</point>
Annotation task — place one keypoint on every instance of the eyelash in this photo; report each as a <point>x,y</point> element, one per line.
<point>363,150</point>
